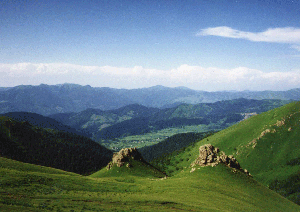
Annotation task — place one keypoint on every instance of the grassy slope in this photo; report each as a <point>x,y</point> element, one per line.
<point>171,144</point>
<point>138,168</point>
<point>206,189</point>
<point>268,161</point>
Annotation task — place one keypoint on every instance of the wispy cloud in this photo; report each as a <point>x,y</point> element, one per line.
<point>297,47</point>
<point>195,77</point>
<point>289,35</point>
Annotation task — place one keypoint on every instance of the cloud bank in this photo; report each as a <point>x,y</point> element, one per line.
<point>194,77</point>
<point>289,35</point>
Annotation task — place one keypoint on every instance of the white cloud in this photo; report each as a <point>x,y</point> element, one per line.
<point>195,77</point>
<point>297,47</point>
<point>277,35</point>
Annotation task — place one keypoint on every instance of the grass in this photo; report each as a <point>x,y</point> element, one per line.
<point>275,158</point>
<point>273,151</point>
<point>12,165</point>
<point>137,168</point>
<point>206,189</point>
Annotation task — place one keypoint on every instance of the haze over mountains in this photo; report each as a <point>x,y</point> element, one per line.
<point>52,99</point>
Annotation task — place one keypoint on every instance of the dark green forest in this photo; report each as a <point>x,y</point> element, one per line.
<point>67,151</point>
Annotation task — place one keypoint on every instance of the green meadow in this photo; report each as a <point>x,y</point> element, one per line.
<point>206,189</point>
<point>267,145</point>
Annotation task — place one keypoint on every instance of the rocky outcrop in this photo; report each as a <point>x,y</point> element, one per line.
<point>123,156</point>
<point>211,156</point>
<point>207,156</point>
<point>279,123</point>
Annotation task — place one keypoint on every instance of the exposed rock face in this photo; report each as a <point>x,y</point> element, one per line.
<point>123,156</point>
<point>211,156</point>
<point>207,155</point>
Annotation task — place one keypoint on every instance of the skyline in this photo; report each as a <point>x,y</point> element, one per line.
<point>202,45</point>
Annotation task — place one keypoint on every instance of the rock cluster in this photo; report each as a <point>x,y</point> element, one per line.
<point>253,143</point>
<point>123,156</point>
<point>279,123</point>
<point>207,156</point>
<point>211,156</point>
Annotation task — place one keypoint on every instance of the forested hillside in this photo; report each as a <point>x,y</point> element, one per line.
<point>171,144</point>
<point>67,151</point>
<point>44,122</point>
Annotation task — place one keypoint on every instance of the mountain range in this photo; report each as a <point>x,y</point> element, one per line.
<point>137,119</point>
<point>65,98</point>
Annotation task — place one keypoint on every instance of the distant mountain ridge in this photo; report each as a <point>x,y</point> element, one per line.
<point>66,98</point>
<point>137,119</point>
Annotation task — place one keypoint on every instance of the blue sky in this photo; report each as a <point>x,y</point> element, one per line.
<point>203,45</point>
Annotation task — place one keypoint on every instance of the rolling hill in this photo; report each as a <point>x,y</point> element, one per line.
<point>27,187</point>
<point>267,145</point>
<point>44,122</point>
<point>171,144</point>
<point>129,162</point>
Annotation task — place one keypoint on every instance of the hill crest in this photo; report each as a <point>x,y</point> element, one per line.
<point>124,155</point>
<point>267,145</point>
<point>129,162</point>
